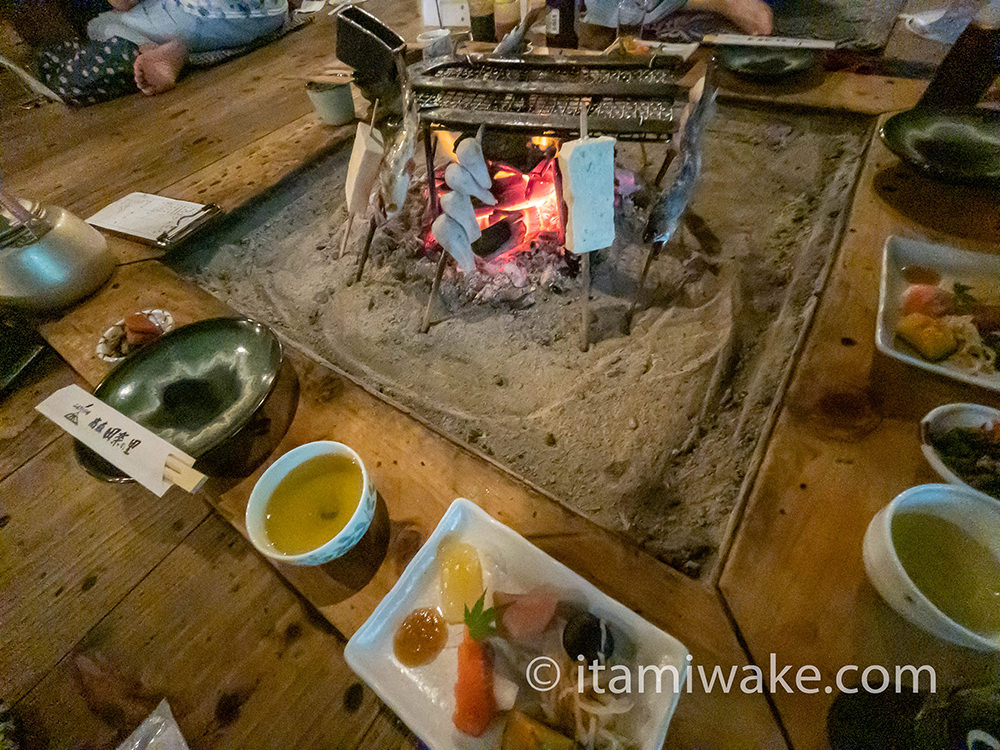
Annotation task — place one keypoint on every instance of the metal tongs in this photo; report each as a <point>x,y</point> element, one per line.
<point>28,226</point>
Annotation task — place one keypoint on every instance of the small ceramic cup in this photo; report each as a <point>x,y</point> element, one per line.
<point>435,43</point>
<point>336,547</point>
<point>332,101</point>
<point>973,512</point>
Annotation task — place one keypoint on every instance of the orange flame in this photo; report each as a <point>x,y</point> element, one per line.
<point>446,140</point>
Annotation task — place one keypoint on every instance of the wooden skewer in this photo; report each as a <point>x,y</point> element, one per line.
<point>585,301</point>
<point>638,290</point>
<point>187,478</point>
<point>425,326</point>
<point>347,234</point>
<point>372,226</point>
<point>585,304</point>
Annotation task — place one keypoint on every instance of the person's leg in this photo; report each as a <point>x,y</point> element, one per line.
<point>89,72</point>
<point>752,16</point>
<point>158,67</point>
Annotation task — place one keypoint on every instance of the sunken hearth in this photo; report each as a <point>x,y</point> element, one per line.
<point>651,433</point>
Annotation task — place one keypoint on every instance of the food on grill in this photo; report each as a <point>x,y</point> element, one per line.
<point>455,241</point>
<point>461,180</point>
<point>470,156</point>
<point>459,209</point>
<point>588,170</point>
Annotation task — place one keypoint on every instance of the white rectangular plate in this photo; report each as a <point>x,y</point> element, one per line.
<point>948,261</point>
<point>424,697</point>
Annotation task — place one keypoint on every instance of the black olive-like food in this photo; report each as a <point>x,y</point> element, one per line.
<point>589,637</point>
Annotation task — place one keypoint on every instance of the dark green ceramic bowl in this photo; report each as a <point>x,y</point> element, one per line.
<point>956,145</point>
<point>211,389</point>
<point>764,63</point>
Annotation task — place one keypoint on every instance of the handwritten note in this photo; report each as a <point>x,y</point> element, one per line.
<point>114,437</point>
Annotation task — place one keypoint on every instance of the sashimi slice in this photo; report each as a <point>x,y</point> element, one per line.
<point>525,616</point>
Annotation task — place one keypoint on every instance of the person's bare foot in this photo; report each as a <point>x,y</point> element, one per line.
<point>157,68</point>
<point>754,17</point>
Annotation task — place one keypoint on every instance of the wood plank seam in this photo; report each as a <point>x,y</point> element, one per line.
<point>208,514</point>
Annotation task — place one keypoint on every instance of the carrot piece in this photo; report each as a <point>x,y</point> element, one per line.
<point>475,703</point>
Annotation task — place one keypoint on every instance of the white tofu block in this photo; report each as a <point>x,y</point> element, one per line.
<point>588,182</point>
<point>362,170</point>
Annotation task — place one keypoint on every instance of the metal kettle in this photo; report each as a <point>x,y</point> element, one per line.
<point>49,258</point>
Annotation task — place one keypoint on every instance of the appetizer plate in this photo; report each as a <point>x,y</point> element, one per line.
<point>901,253</point>
<point>423,697</point>
<point>948,417</point>
<point>957,145</point>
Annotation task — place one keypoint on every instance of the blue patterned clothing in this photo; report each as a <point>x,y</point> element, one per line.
<point>234,8</point>
<point>157,21</point>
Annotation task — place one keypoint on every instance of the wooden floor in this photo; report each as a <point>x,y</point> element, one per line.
<point>111,599</point>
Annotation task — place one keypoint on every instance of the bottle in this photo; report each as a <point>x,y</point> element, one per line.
<point>560,23</point>
<point>481,20</point>
<point>971,65</point>
<point>506,15</point>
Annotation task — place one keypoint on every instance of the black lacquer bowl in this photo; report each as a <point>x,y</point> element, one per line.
<point>952,145</point>
<point>220,390</point>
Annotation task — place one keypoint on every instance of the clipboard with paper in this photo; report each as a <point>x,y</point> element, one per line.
<point>154,219</point>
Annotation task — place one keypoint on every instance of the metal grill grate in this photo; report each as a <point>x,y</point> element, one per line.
<point>630,100</point>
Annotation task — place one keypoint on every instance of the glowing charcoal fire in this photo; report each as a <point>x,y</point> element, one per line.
<point>527,211</point>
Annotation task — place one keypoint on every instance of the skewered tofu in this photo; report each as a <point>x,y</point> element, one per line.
<point>588,174</point>
<point>362,170</point>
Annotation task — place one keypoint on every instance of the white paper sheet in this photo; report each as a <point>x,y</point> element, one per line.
<point>147,216</point>
<point>114,437</point>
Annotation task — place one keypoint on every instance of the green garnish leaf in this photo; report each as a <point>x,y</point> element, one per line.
<point>963,299</point>
<point>481,622</point>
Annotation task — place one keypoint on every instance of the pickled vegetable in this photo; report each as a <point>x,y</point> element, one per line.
<point>932,338</point>
<point>460,575</point>
<point>524,733</point>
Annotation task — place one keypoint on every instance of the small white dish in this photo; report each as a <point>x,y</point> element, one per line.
<point>336,547</point>
<point>424,698</point>
<point>975,513</point>
<point>950,417</point>
<point>111,346</point>
<point>900,253</point>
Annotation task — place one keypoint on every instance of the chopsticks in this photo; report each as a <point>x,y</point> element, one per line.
<point>186,477</point>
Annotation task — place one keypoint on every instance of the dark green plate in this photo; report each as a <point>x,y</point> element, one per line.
<point>198,385</point>
<point>766,63</point>
<point>957,145</point>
